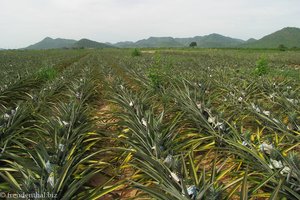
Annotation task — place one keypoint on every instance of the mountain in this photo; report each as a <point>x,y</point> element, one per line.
<point>86,43</point>
<point>187,41</point>
<point>49,43</point>
<point>289,37</point>
<point>2,49</point>
<point>212,41</point>
<point>251,40</point>
<point>208,41</point>
<point>158,42</point>
<point>151,42</point>
<point>126,44</point>
<point>217,40</point>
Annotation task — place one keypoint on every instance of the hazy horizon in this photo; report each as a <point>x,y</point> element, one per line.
<point>26,22</point>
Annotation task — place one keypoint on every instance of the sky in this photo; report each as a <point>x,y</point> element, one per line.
<point>24,22</point>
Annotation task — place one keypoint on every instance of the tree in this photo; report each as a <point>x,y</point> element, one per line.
<point>193,44</point>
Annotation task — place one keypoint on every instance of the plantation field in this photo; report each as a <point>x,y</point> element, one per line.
<point>170,124</point>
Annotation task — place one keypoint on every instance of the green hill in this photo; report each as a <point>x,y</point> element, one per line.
<point>289,37</point>
<point>186,41</point>
<point>49,43</point>
<point>86,43</point>
<point>126,44</point>
<point>158,42</point>
<point>151,42</point>
<point>208,41</point>
<point>251,40</point>
<point>212,41</point>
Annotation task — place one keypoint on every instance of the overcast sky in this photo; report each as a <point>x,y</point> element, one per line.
<point>23,22</point>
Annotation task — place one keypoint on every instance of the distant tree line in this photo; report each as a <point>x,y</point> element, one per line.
<point>281,47</point>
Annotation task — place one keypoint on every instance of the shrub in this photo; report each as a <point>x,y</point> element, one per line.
<point>136,52</point>
<point>261,67</point>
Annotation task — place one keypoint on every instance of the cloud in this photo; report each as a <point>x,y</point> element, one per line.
<point>24,22</point>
